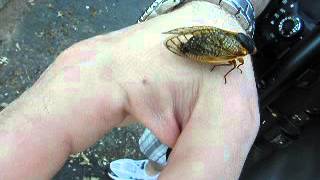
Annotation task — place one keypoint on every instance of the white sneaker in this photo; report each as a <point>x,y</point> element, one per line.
<point>128,169</point>
<point>114,177</point>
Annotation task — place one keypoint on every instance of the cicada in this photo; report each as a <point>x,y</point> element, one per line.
<point>211,45</point>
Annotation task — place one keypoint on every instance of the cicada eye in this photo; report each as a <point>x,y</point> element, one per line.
<point>247,43</point>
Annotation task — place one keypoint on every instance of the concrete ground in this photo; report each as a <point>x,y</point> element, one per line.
<point>34,32</point>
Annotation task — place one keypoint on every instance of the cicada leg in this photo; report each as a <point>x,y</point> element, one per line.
<point>233,62</point>
<point>241,61</point>
<point>234,66</point>
<point>213,68</point>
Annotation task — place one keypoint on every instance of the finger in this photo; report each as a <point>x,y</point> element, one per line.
<point>216,140</point>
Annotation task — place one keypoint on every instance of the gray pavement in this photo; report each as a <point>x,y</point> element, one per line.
<point>34,32</point>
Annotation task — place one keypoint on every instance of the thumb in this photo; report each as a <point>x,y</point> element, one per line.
<point>164,107</point>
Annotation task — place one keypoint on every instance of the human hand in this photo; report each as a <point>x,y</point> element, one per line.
<point>94,85</point>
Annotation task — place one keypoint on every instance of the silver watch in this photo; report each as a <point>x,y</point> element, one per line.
<point>241,9</point>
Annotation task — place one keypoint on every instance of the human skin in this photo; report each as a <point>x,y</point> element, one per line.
<point>97,84</point>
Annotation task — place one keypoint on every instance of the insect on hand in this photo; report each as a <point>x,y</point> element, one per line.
<point>207,44</point>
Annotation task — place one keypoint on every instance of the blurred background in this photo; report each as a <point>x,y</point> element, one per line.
<point>34,32</point>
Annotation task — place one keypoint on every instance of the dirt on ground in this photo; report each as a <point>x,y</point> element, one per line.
<point>33,33</point>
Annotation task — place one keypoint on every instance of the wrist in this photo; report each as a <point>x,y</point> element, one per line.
<point>241,10</point>
<point>198,13</point>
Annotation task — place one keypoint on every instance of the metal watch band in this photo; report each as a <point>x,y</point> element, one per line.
<point>243,11</point>
<point>159,7</point>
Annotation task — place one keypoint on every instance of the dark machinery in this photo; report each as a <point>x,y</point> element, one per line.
<point>287,69</point>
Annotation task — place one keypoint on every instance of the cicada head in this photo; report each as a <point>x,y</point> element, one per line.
<point>247,43</point>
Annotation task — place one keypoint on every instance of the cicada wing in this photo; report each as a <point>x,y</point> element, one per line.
<point>175,43</point>
<point>204,44</point>
<point>198,29</point>
<point>188,30</point>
